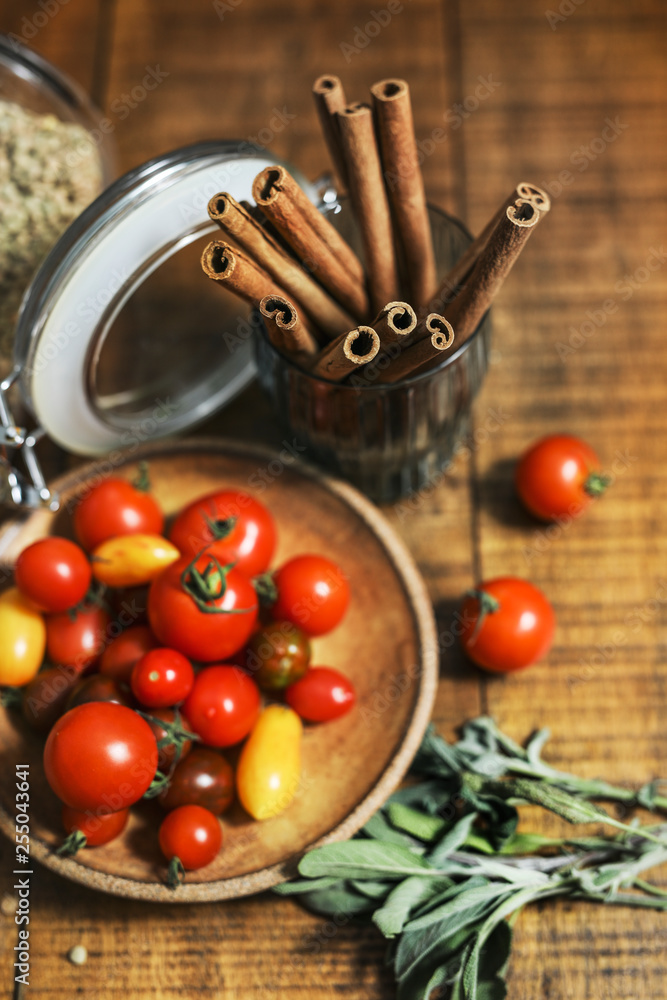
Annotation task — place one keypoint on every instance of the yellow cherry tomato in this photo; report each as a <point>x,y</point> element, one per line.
<point>132,560</point>
<point>267,777</point>
<point>22,639</point>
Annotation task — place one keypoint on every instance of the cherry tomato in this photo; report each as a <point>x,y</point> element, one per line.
<point>22,639</point>
<point>559,476</point>
<point>53,573</point>
<point>132,560</point>
<point>223,705</point>
<point>161,678</point>
<point>321,695</point>
<point>119,657</point>
<point>516,628</point>
<point>97,828</point>
<point>97,687</point>
<point>100,755</point>
<point>113,508</point>
<point>277,655</point>
<point>205,779</point>
<point>191,834</point>
<point>202,609</point>
<point>313,593</point>
<point>45,697</point>
<point>77,638</point>
<point>174,727</point>
<point>236,528</point>
<point>267,778</point>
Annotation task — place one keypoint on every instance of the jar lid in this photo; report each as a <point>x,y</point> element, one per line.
<point>104,362</point>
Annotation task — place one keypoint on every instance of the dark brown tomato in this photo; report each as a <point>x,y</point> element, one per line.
<point>44,699</point>
<point>97,687</point>
<point>277,655</point>
<point>205,778</point>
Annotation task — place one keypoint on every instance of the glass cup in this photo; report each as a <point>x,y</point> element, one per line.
<point>388,440</point>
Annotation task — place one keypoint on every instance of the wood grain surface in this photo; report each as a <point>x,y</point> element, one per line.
<point>572,98</point>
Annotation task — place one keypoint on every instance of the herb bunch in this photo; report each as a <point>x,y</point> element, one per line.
<point>443,872</point>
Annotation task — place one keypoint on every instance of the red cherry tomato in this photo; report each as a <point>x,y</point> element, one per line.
<point>98,827</point>
<point>321,695</point>
<point>223,705</point>
<point>192,834</point>
<point>113,508</point>
<point>313,593</point>
<point>161,678</point>
<point>517,624</point>
<point>205,779</point>
<point>77,638</point>
<point>100,755</point>
<point>119,657</point>
<point>559,476</point>
<point>207,614</point>
<point>53,573</point>
<point>236,528</point>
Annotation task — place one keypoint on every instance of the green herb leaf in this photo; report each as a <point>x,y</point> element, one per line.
<point>362,859</point>
<point>452,840</point>
<point>403,899</point>
<point>414,822</point>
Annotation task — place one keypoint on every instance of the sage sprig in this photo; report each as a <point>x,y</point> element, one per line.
<point>443,872</point>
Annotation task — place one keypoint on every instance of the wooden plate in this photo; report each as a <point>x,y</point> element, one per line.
<point>387,644</point>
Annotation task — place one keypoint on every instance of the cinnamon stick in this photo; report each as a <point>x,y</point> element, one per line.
<point>403,177</point>
<point>495,262</point>
<point>395,322</point>
<point>231,268</point>
<point>235,220</point>
<point>347,354</point>
<point>312,236</point>
<point>457,275</point>
<point>423,352</point>
<point>287,332</point>
<point>369,198</point>
<point>330,98</point>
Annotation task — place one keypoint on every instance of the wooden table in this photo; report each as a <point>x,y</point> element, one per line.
<point>573,99</point>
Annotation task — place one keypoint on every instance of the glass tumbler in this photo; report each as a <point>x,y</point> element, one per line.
<point>387,440</point>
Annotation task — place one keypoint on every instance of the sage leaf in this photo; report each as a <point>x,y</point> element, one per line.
<point>362,859</point>
<point>305,885</point>
<point>414,822</point>
<point>452,840</point>
<point>403,899</point>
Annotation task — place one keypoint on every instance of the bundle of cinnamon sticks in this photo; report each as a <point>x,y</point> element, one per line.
<point>323,309</point>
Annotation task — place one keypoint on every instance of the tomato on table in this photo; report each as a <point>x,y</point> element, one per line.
<point>223,705</point>
<point>161,678</point>
<point>559,476</point>
<point>100,755</point>
<point>53,573</point>
<point>506,624</point>
<point>191,836</point>
<point>203,609</point>
<point>119,657</point>
<point>115,507</point>
<point>77,638</point>
<point>321,695</point>
<point>205,778</point>
<point>22,639</point>
<point>91,829</point>
<point>234,526</point>
<point>313,593</point>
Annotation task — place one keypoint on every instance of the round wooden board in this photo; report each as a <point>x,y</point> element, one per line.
<point>386,644</point>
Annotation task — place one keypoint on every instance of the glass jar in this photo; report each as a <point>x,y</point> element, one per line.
<point>388,440</point>
<point>54,160</point>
